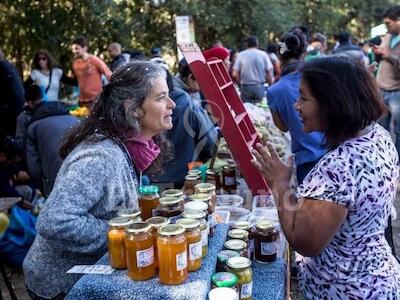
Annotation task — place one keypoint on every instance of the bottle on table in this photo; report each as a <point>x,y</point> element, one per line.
<point>148,200</point>
<point>116,241</point>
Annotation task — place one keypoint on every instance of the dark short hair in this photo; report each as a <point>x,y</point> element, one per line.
<point>252,41</point>
<point>51,63</point>
<point>347,94</point>
<point>33,92</point>
<point>81,41</point>
<point>343,37</point>
<point>392,13</point>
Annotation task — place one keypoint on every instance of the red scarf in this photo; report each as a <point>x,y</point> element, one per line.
<point>143,151</point>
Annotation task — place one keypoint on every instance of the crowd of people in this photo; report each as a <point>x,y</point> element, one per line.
<point>338,104</point>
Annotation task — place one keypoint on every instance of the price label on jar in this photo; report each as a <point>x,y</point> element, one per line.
<point>195,251</point>
<point>268,248</point>
<point>145,258</point>
<point>246,290</point>
<point>181,261</point>
<point>204,237</point>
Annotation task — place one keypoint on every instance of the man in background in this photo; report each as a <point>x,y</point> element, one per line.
<point>118,59</point>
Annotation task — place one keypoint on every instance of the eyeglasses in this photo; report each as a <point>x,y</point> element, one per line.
<point>42,58</point>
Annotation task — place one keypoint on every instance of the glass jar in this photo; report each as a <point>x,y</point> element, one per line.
<point>199,216</point>
<point>195,172</point>
<point>213,177</point>
<point>174,193</point>
<point>206,198</point>
<point>207,188</point>
<point>240,234</point>
<point>139,251</point>
<point>130,213</point>
<point>193,239</point>
<point>223,257</point>
<point>155,224</point>
<point>172,255</point>
<point>148,200</point>
<point>190,182</point>
<point>169,207</point>
<point>229,178</point>
<point>116,241</point>
<point>265,237</point>
<point>223,293</point>
<point>236,245</point>
<point>245,225</point>
<point>240,266</point>
<point>224,279</point>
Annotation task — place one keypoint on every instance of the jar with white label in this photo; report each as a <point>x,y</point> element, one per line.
<point>172,254</point>
<point>139,251</point>
<point>199,216</point>
<point>265,241</point>
<point>240,266</point>
<point>193,239</point>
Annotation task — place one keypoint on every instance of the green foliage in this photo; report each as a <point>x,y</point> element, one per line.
<point>28,25</point>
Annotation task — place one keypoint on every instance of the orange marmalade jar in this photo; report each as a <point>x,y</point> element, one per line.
<point>155,223</point>
<point>116,241</point>
<point>148,200</point>
<point>194,246</point>
<point>139,251</point>
<point>199,215</point>
<point>172,255</point>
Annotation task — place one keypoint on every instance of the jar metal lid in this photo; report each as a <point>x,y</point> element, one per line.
<point>168,200</point>
<point>205,187</point>
<point>265,224</point>
<point>235,244</point>
<point>188,223</point>
<point>238,234</point>
<point>238,262</point>
<point>138,227</point>
<point>170,229</point>
<point>224,279</point>
<point>194,214</point>
<point>228,167</point>
<point>172,193</point>
<point>120,221</point>
<point>211,172</point>
<point>191,177</point>
<point>246,225</point>
<point>194,172</point>
<point>196,205</point>
<point>224,255</point>
<point>157,222</point>
<point>149,189</point>
<point>129,213</point>
<point>200,197</point>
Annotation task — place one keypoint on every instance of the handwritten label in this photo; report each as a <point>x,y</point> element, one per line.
<point>90,269</point>
<point>181,261</point>
<point>145,258</point>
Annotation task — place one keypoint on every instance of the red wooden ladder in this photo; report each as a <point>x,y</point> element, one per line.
<point>226,105</point>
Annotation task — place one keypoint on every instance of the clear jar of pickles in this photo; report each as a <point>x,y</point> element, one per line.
<point>190,182</point>
<point>155,224</point>
<point>130,213</point>
<point>207,188</point>
<point>223,257</point>
<point>213,177</point>
<point>139,251</point>
<point>229,178</point>
<point>193,239</point>
<point>265,237</point>
<point>174,193</point>
<point>240,266</point>
<point>148,200</point>
<point>172,254</point>
<point>169,207</point>
<point>116,241</point>
<point>240,234</point>
<point>199,216</point>
<point>245,225</point>
<point>236,245</point>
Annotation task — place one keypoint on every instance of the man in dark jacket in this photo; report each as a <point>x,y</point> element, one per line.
<point>118,58</point>
<point>11,96</point>
<point>49,122</point>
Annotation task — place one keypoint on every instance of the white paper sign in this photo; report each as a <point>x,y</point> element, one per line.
<point>91,269</point>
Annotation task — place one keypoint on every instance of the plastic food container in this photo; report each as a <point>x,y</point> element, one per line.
<point>236,213</point>
<point>230,200</point>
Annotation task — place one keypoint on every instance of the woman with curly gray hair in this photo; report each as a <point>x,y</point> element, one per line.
<point>102,159</point>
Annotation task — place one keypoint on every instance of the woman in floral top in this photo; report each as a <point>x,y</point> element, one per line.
<point>337,217</point>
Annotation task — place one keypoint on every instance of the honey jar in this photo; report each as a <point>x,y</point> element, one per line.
<point>155,224</point>
<point>169,207</point>
<point>148,200</point>
<point>193,239</point>
<point>200,216</point>
<point>213,177</point>
<point>190,182</point>
<point>139,251</point>
<point>116,241</point>
<point>172,254</point>
<point>174,193</point>
<point>229,178</point>
<point>265,241</point>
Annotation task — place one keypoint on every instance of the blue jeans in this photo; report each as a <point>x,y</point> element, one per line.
<point>252,93</point>
<point>392,101</point>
